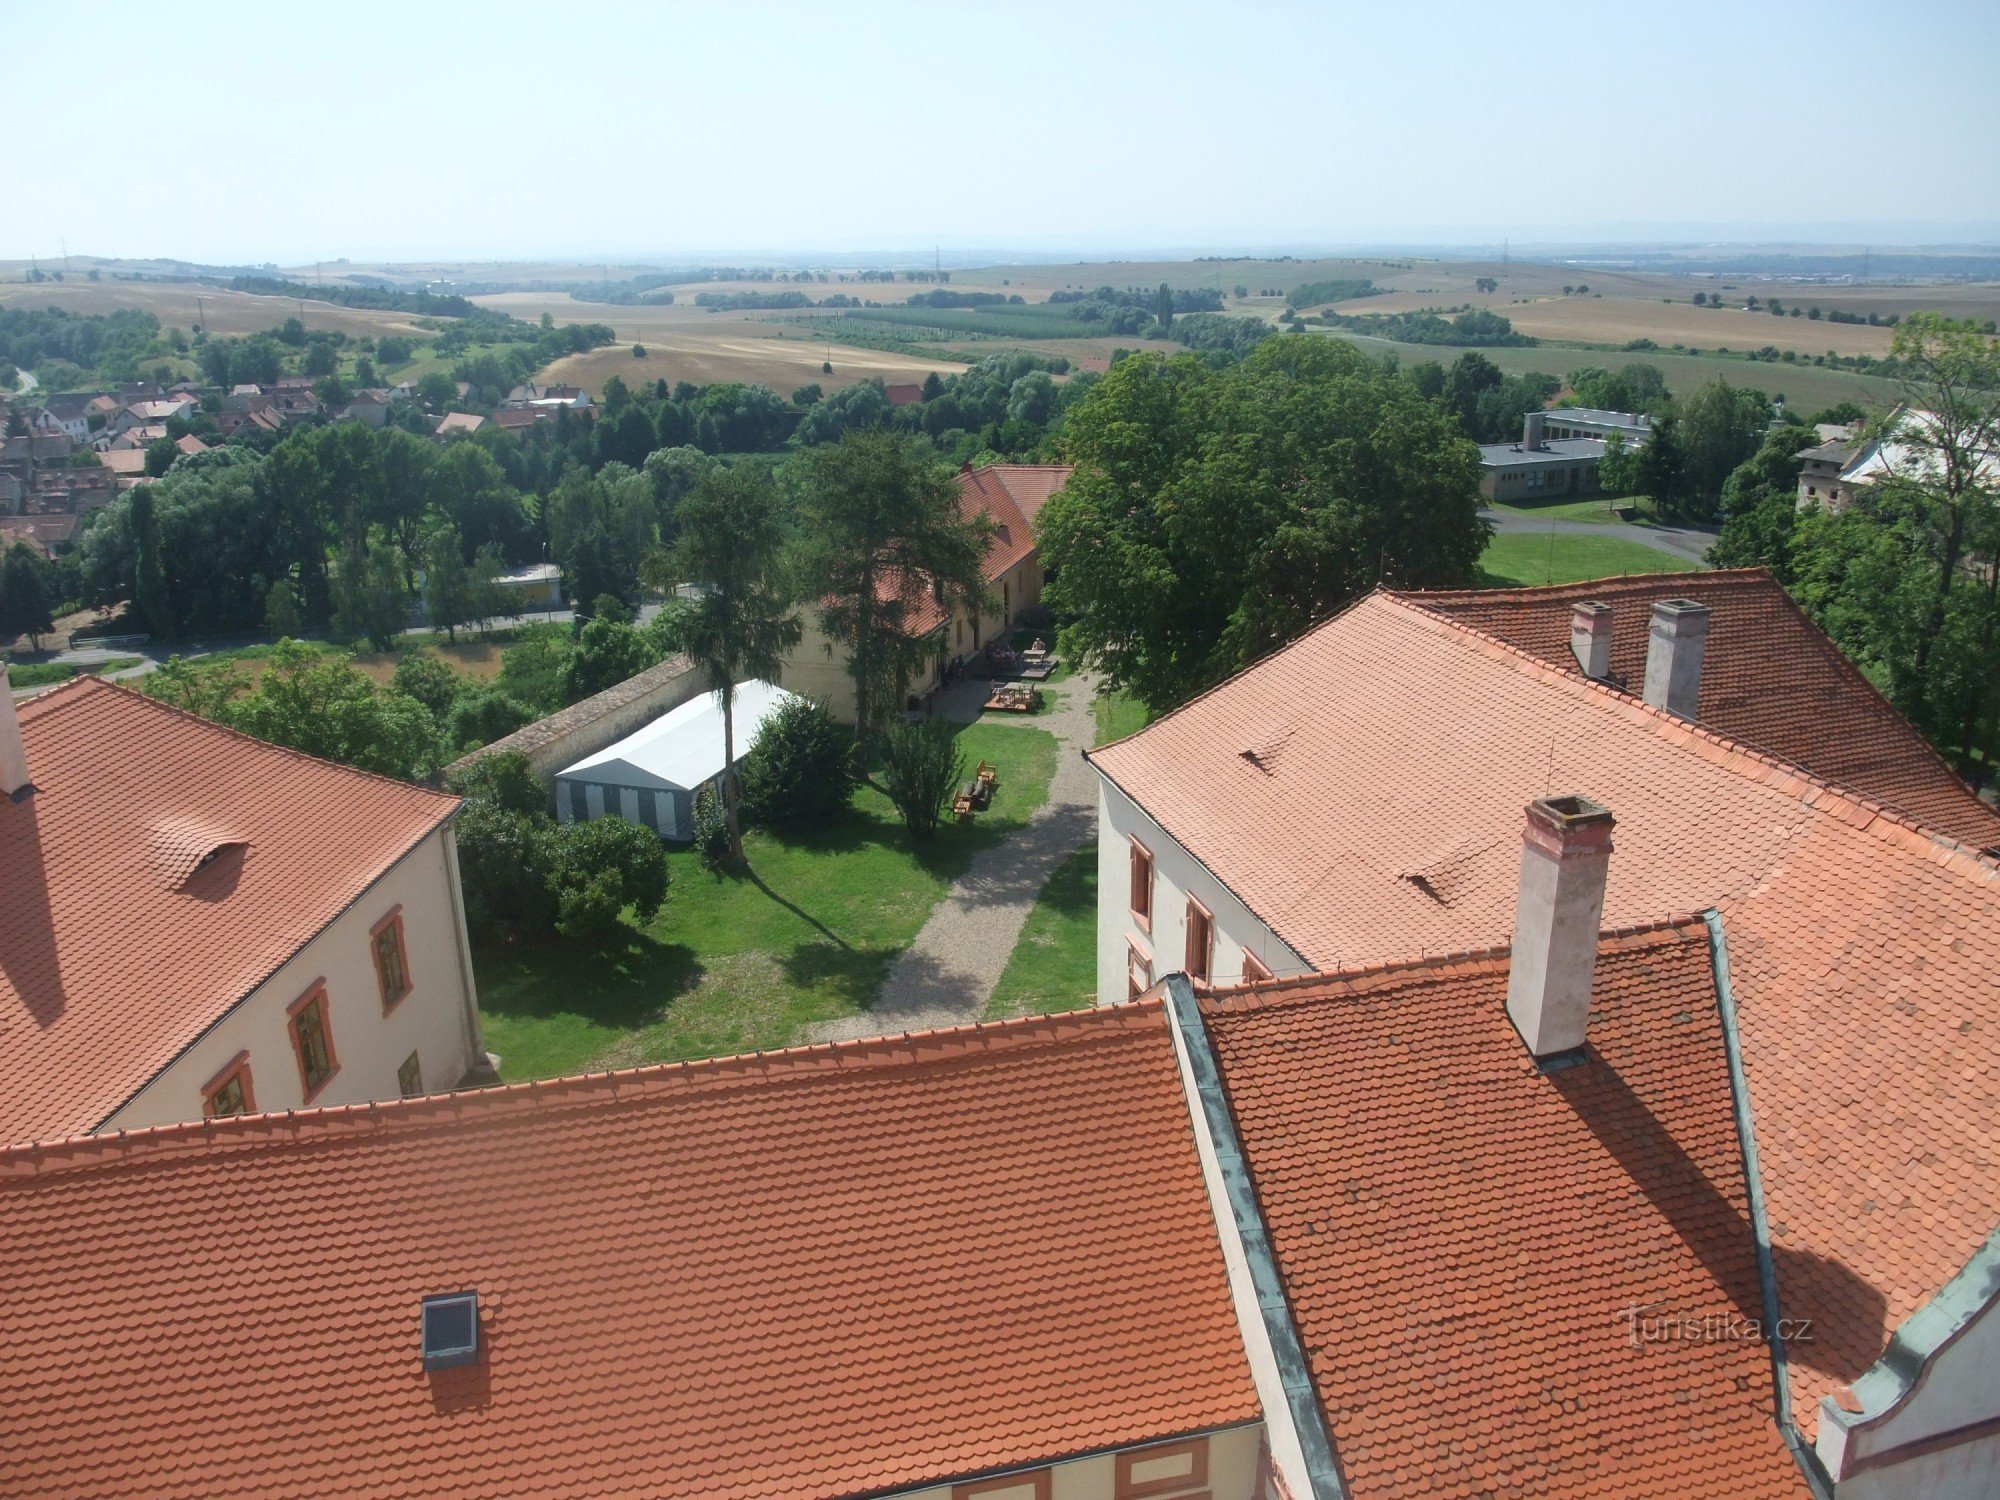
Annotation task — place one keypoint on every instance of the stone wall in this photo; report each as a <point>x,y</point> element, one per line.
<point>584,728</point>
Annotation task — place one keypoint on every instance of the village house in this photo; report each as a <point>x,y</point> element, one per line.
<point>456,423</point>
<point>194,923</point>
<point>1834,473</point>
<point>1011,496</point>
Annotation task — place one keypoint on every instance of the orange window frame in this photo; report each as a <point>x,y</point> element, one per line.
<point>1255,970</point>
<point>393,921</point>
<point>1137,960</point>
<point>236,1071</point>
<point>315,995</point>
<point>1199,958</point>
<point>1141,859</point>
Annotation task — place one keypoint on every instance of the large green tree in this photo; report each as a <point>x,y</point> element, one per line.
<point>886,542</point>
<point>731,547</point>
<point>1215,514</point>
<point>1721,426</point>
<point>27,595</point>
<point>1760,506</point>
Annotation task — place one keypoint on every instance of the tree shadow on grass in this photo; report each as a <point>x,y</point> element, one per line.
<point>625,980</point>
<point>854,975</point>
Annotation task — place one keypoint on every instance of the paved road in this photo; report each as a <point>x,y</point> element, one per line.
<point>946,976</point>
<point>1688,543</point>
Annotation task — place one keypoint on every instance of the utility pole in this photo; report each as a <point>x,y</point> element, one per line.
<point>201,313</point>
<point>65,250</point>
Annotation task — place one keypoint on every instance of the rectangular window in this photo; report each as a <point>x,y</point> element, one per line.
<point>392,962</point>
<point>229,1092</point>
<point>1200,940</point>
<point>1142,886</point>
<point>1138,970</point>
<point>312,1040</point>
<point>1162,1470</point>
<point>1254,971</point>
<point>410,1077</point>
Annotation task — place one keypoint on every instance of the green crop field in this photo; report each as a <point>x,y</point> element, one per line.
<point>1806,388</point>
<point>1034,321</point>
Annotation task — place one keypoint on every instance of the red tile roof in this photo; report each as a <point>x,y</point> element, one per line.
<point>831,1272</point>
<point>1393,743</point>
<point>1011,495</point>
<point>903,395</point>
<point>1462,1237</point>
<point>110,962</point>
<point>1770,678</point>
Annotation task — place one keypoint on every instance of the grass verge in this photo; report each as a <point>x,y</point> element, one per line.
<point>1054,965</point>
<point>43,673</point>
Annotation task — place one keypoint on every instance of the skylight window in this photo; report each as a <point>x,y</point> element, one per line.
<point>451,1330</point>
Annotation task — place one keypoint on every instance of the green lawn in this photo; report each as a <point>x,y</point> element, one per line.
<point>1119,714</point>
<point>1054,966</point>
<point>1525,559</point>
<point>745,962</point>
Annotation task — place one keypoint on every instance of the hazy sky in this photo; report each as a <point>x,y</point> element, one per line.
<point>293,133</point>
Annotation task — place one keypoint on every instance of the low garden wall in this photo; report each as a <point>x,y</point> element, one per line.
<point>584,728</point>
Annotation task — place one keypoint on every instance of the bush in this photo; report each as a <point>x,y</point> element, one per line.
<point>605,654</point>
<point>921,768</point>
<point>600,868</point>
<point>797,775</point>
<point>711,828</point>
<point>531,673</point>
<point>482,717</point>
<point>505,781</point>
<point>503,870</point>
<point>427,679</point>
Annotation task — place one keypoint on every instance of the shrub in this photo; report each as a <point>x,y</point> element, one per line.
<point>480,718</point>
<point>505,781</point>
<point>921,767</point>
<point>711,828</point>
<point>797,774</point>
<point>503,870</point>
<point>606,652</point>
<point>531,672</point>
<point>601,867</point>
<point>427,679</point>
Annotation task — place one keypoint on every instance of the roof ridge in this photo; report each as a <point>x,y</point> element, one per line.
<point>884,1050</point>
<point>1824,644</point>
<point>1663,722</point>
<point>1215,687</point>
<point>162,706</point>
<point>45,700</point>
<point>1643,933</point>
<point>1544,590</point>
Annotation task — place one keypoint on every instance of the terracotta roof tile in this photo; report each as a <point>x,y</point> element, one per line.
<point>1463,1239</point>
<point>1770,678</point>
<point>830,1272</point>
<point>111,958</point>
<point>1865,949</point>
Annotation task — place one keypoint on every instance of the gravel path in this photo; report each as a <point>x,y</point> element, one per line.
<point>946,976</point>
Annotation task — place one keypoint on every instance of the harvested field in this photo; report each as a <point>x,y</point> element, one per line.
<point>176,305</point>
<point>690,343</point>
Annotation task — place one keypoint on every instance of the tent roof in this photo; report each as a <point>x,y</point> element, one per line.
<point>683,747</point>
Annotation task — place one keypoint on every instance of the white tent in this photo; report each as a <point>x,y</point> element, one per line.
<point>652,775</point>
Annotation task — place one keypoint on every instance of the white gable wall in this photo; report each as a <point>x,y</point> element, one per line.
<point>1177,875</point>
<point>438,1019</point>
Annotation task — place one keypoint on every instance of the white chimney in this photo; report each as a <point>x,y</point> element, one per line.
<point>1565,853</point>
<point>1590,637</point>
<point>14,781</point>
<point>1673,655</point>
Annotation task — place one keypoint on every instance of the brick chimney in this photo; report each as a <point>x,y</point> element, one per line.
<point>14,783</point>
<point>1590,637</point>
<point>1673,655</point>
<point>1565,853</point>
